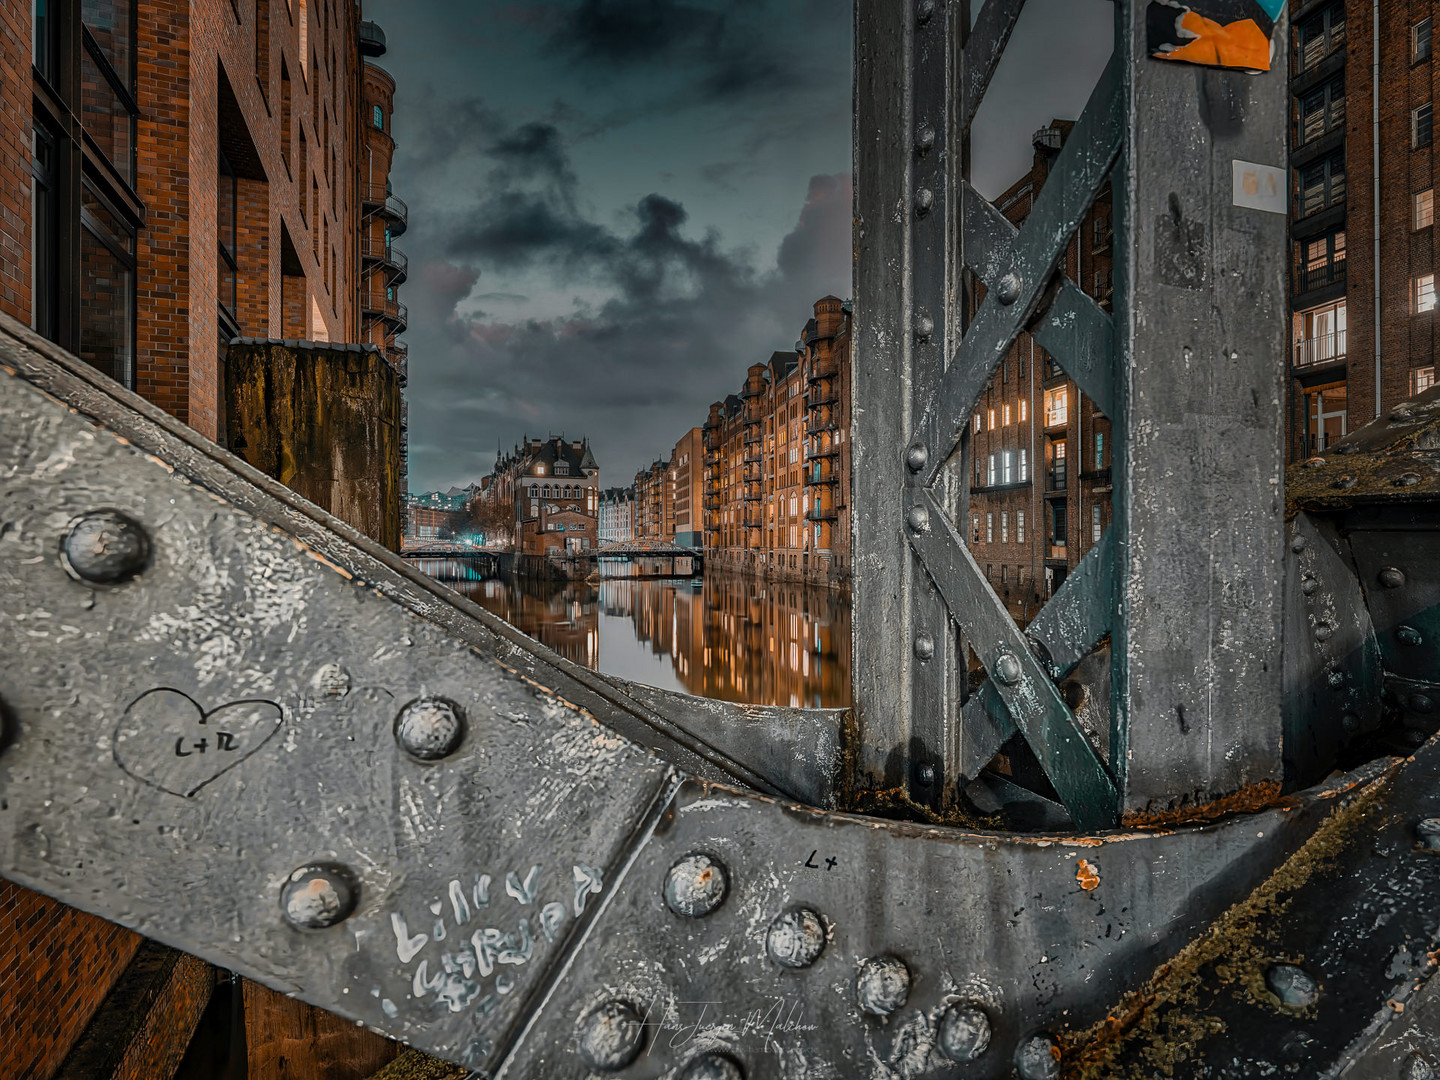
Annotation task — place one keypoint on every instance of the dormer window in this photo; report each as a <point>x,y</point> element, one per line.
<point>562,468</point>
<point>539,470</point>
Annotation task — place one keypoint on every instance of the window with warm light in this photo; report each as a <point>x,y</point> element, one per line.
<point>1423,204</point>
<point>1422,379</point>
<point>1057,406</point>
<point>1422,293</point>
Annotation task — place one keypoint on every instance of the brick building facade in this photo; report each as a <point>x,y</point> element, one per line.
<point>1040,493</point>
<point>617,515</point>
<point>777,460</point>
<point>1337,362</point>
<point>174,175</point>
<point>554,487</point>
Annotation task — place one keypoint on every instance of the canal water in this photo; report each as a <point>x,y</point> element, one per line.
<point>723,636</point>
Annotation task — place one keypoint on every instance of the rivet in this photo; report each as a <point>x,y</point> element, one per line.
<point>1038,1058</point>
<point>882,984</point>
<point>319,895</point>
<point>918,518</point>
<point>1336,679</point>
<point>104,547</point>
<point>712,1067</point>
<point>922,325</point>
<point>925,775</point>
<point>1007,289</point>
<point>924,646</point>
<point>1323,631</point>
<point>429,728</point>
<point>924,138</point>
<point>1409,479</point>
<point>964,1032</point>
<point>1008,669</point>
<point>796,938</point>
<point>610,1036</point>
<point>916,457</point>
<point>1408,635</point>
<point>1297,544</point>
<point>1309,585</point>
<point>1293,985</point>
<point>1350,722</point>
<point>695,886</point>
<point>1415,1067</point>
<point>1392,577</point>
<point>924,10</point>
<point>924,200</point>
<point>1421,703</point>
<point>1427,832</point>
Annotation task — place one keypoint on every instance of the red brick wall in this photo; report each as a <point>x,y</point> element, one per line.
<point>15,127</point>
<point>56,966</point>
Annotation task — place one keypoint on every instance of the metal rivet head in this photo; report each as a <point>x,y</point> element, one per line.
<point>1392,577</point>
<point>1007,289</point>
<point>319,895</point>
<point>922,325</point>
<point>918,518</point>
<point>924,10</point>
<point>1350,722</point>
<point>924,138</point>
<point>105,547</point>
<point>429,728</point>
<point>916,457</point>
<point>610,1037</point>
<point>1309,585</point>
<point>695,886</point>
<point>1409,479</point>
<point>925,775</point>
<point>1408,635</point>
<point>924,200</point>
<point>1346,481</point>
<point>924,646</point>
<point>1421,703</point>
<point>1297,544</point>
<point>1008,669</point>
<point>1293,985</point>
<point>1336,679</point>
<point>1323,631</point>
<point>712,1067</point>
<point>796,938</point>
<point>882,984</point>
<point>1038,1058</point>
<point>964,1032</point>
<point>1427,832</point>
<point>1415,1067</point>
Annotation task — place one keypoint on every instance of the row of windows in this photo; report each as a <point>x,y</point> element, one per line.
<point>1058,526</point>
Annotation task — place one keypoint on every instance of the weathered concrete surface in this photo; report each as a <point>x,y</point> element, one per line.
<point>325,421</point>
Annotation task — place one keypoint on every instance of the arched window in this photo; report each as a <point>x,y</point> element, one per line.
<point>545,491</point>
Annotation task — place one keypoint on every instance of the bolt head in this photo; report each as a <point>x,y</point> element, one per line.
<point>918,518</point>
<point>964,1032</point>
<point>1038,1058</point>
<point>1008,669</point>
<point>1427,833</point>
<point>924,200</point>
<point>796,938</point>
<point>1408,635</point>
<point>1422,703</point>
<point>1323,631</point>
<point>925,775</point>
<point>924,10</point>
<point>1309,586</point>
<point>1007,289</point>
<point>712,1067</point>
<point>104,547</point>
<point>1409,479</point>
<point>1293,985</point>
<point>1297,544</point>
<point>1392,577</point>
<point>429,728</point>
<point>1313,463</point>
<point>319,895</point>
<point>916,457</point>
<point>924,646</point>
<point>922,325</point>
<point>924,138</point>
<point>610,1036</point>
<point>1350,722</point>
<point>882,984</point>
<point>695,886</point>
<point>1346,481</point>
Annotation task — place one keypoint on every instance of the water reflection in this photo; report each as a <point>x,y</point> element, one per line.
<point>724,637</point>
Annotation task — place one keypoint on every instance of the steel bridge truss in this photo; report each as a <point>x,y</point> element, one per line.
<point>232,724</point>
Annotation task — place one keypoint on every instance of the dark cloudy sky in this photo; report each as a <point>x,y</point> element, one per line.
<point>616,206</point>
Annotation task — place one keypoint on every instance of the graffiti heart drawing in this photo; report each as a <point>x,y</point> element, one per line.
<point>167,740</point>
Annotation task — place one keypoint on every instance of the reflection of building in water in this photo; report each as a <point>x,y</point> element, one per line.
<point>560,617</point>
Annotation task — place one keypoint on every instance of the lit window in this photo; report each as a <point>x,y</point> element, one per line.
<point>1057,406</point>
<point>977,421</point>
<point>1422,291</point>
<point>1019,528</point>
<point>1424,206</point>
<point>1422,121</point>
<point>1007,415</point>
<point>990,472</point>
<point>974,528</point>
<point>992,419</point>
<point>1004,532</point>
<point>1420,40</point>
<point>1024,466</point>
<point>989,528</point>
<point>1023,411</point>
<point>1099,450</point>
<point>1422,379</point>
<point>378,118</point>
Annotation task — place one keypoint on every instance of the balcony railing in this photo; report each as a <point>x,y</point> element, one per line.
<point>1320,349</point>
<point>374,198</point>
<point>1056,479</point>
<point>822,452</point>
<point>820,402</point>
<point>823,513</point>
<point>1331,272</point>
<point>1057,416</point>
<point>826,368</point>
<point>375,250</point>
<point>378,305</point>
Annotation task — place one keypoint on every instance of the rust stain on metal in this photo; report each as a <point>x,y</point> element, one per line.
<point>1248,800</point>
<point>323,561</point>
<point>1088,875</point>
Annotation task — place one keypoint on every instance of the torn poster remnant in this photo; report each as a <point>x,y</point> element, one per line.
<point>1215,33</point>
